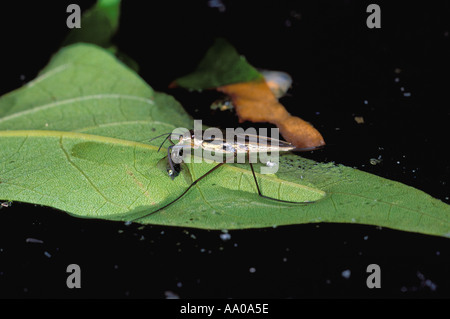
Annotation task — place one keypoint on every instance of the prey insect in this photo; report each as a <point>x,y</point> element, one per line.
<point>241,144</point>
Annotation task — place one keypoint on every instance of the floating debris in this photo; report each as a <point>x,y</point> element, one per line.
<point>34,241</point>
<point>346,273</point>
<point>225,236</point>
<point>426,282</point>
<point>217,4</point>
<point>359,119</point>
<point>171,295</point>
<point>223,104</point>
<point>279,82</point>
<point>5,204</point>
<point>375,161</point>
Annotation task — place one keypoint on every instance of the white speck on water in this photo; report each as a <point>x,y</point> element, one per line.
<point>171,295</point>
<point>284,259</point>
<point>34,241</point>
<point>202,250</point>
<point>426,282</point>
<point>366,237</point>
<point>402,89</point>
<point>270,164</point>
<point>162,232</point>
<point>438,253</point>
<point>366,102</point>
<point>218,4</point>
<point>252,269</point>
<point>396,80</point>
<point>235,245</point>
<point>403,289</point>
<point>22,77</point>
<point>179,284</point>
<point>346,273</point>
<point>47,254</point>
<point>430,284</point>
<point>398,162</point>
<point>127,223</point>
<point>328,281</point>
<point>407,94</point>
<point>225,236</point>
<point>375,161</point>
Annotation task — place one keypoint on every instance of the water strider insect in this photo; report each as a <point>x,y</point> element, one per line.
<point>245,144</point>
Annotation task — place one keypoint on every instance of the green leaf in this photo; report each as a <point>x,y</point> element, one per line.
<point>100,177</point>
<point>98,24</point>
<point>82,87</point>
<point>221,65</point>
<point>75,139</point>
<point>354,196</point>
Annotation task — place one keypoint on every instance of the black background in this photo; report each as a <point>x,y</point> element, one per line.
<point>341,69</point>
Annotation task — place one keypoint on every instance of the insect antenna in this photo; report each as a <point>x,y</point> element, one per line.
<point>167,137</point>
<point>307,149</point>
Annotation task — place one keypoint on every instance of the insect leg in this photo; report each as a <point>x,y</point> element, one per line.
<point>276,199</point>
<point>187,189</point>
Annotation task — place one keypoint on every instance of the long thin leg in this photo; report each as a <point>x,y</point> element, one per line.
<point>167,138</point>
<point>276,199</point>
<point>187,189</point>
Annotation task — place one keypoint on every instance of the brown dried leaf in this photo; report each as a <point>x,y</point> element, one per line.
<point>255,102</point>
